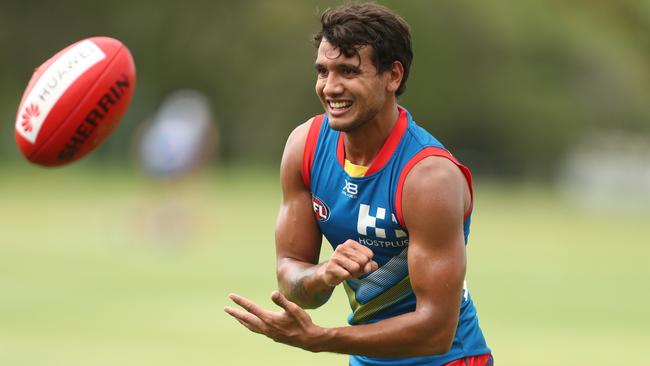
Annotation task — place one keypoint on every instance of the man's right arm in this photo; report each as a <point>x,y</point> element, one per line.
<point>297,235</point>
<point>298,238</point>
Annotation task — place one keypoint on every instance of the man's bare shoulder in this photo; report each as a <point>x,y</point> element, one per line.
<point>434,185</point>
<point>434,173</point>
<point>291,165</point>
<point>298,136</point>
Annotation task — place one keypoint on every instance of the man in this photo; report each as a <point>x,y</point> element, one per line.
<point>392,201</point>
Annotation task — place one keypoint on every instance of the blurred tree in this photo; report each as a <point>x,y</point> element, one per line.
<point>509,86</point>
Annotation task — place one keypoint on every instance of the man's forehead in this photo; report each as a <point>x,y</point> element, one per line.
<point>329,52</point>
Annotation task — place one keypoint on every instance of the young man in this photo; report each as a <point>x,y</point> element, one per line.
<point>394,203</point>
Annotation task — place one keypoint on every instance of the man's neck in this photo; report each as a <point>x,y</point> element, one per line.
<point>363,144</point>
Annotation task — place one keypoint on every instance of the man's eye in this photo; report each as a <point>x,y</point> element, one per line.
<point>349,71</point>
<point>322,73</point>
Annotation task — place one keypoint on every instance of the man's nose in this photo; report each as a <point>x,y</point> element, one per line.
<point>333,85</point>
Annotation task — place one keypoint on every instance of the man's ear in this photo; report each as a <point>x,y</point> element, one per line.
<point>395,75</point>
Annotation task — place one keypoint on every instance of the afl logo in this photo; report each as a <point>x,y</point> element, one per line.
<point>321,211</point>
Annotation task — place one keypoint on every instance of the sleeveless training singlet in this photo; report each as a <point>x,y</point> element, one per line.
<point>368,209</point>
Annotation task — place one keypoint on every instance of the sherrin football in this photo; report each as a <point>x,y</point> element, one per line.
<point>74,100</point>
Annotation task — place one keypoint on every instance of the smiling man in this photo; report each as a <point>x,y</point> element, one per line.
<point>394,203</point>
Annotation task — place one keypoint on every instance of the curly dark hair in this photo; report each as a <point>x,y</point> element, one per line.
<point>351,27</point>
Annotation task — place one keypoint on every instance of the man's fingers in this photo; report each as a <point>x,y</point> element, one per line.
<point>360,248</point>
<point>283,302</point>
<point>355,265</point>
<point>248,305</point>
<point>349,260</point>
<point>335,274</point>
<point>359,257</point>
<point>348,264</point>
<point>353,251</point>
<point>250,326</point>
<point>247,319</point>
<point>370,266</point>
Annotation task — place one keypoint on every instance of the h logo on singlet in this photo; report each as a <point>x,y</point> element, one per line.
<point>366,220</point>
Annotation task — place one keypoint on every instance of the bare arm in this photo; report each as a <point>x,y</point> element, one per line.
<point>298,238</point>
<point>435,198</point>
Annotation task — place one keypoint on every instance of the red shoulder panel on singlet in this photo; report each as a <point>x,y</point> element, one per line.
<point>310,148</point>
<point>426,152</point>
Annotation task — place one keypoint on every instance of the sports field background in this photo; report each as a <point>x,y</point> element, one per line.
<point>85,279</point>
<point>101,266</point>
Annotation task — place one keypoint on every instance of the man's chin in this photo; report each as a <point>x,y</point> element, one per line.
<point>340,125</point>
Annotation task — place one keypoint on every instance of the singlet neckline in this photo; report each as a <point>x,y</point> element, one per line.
<point>386,151</point>
<point>354,170</point>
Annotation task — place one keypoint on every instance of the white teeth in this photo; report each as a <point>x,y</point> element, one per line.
<point>340,105</point>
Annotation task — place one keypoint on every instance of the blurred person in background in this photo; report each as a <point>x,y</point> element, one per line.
<point>173,150</point>
<point>394,203</point>
<point>181,138</point>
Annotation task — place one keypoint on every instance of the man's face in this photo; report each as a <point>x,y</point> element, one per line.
<point>350,89</point>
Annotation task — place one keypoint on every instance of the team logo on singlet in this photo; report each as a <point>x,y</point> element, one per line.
<point>321,211</point>
<point>350,189</point>
<point>374,230</point>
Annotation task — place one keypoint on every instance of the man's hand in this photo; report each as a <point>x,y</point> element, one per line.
<point>349,260</point>
<point>293,326</point>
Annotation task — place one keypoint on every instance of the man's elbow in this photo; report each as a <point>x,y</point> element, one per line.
<point>289,291</point>
<point>435,337</point>
<point>438,343</point>
<point>442,346</point>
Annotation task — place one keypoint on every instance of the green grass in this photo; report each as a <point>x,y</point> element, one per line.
<point>106,268</point>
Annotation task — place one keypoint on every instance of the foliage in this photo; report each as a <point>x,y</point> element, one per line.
<point>509,86</point>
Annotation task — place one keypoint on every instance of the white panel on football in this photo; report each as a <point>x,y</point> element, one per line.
<point>53,84</point>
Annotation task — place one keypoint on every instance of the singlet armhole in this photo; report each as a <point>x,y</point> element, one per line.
<point>310,149</point>
<point>426,152</point>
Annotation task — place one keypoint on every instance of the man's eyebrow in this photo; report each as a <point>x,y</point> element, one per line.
<point>342,65</point>
<point>350,66</point>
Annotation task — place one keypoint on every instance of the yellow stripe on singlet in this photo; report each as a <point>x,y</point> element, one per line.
<point>354,170</point>
<point>362,312</point>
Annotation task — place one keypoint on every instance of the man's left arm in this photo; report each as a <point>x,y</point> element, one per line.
<point>435,198</point>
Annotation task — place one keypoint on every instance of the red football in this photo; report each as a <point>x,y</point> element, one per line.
<point>74,100</point>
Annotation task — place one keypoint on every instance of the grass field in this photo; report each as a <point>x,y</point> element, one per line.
<point>105,268</point>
